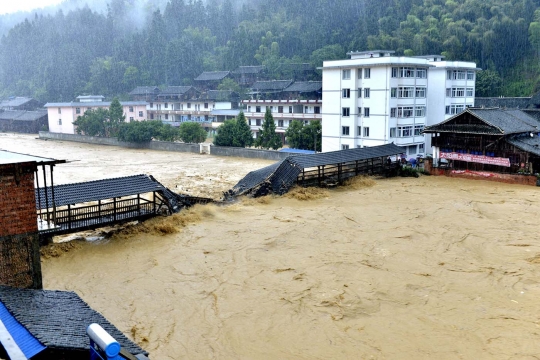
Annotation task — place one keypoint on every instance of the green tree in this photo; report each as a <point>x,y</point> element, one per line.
<point>192,132</point>
<point>137,131</point>
<point>229,84</point>
<point>92,123</point>
<point>294,134</point>
<point>166,132</point>
<point>225,133</point>
<point>116,118</point>
<point>312,135</point>
<point>488,83</point>
<point>268,138</point>
<point>242,132</point>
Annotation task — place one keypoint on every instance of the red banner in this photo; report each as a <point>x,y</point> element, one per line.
<point>476,158</point>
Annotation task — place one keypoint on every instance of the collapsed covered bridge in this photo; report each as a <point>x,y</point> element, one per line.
<point>320,169</point>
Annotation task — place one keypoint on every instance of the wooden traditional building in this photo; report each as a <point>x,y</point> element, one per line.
<point>495,140</point>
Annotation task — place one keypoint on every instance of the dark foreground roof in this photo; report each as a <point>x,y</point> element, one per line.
<point>58,319</point>
<point>22,115</point>
<point>526,142</point>
<point>281,176</point>
<point>497,121</point>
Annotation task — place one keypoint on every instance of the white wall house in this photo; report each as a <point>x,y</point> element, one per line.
<point>283,112</point>
<point>62,115</point>
<point>376,98</point>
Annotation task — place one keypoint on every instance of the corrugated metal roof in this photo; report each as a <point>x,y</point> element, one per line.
<point>58,319</point>
<point>212,76</point>
<point>29,345</point>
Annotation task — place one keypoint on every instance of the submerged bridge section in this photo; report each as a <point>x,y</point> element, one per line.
<point>89,205</point>
<point>320,169</point>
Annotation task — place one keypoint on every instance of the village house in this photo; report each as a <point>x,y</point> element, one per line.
<point>209,80</point>
<point>248,75</point>
<point>377,98</point>
<point>62,115</point>
<point>23,121</point>
<point>20,103</point>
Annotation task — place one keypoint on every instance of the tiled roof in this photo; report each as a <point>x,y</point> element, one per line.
<point>219,95</point>
<point>58,319</point>
<point>305,86</point>
<point>271,85</point>
<point>145,90</point>
<point>505,102</point>
<point>175,90</point>
<point>497,121</point>
<point>21,115</point>
<point>212,76</point>
<point>248,70</point>
<point>281,176</point>
<point>526,142</point>
<point>98,190</point>
<point>18,101</point>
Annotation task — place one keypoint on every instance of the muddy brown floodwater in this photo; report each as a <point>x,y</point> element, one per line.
<point>428,268</point>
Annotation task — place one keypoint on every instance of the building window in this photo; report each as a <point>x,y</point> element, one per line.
<point>393,132</point>
<point>59,110</point>
<point>454,109</point>
<point>280,123</point>
<point>359,111</point>
<point>258,122</point>
<point>366,112</point>
<point>418,130</point>
<point>257,109</point>
<point>405,131</point>
<point>344,147</point>
<point>455,75</point>
<point>77,110</point>
<point>359,74</point>
<point>206,105</point>
<point>359,129</point>
<point>448,92</point>
<point>189,105</point>
<point>394,72</point>
<point>131,108</point>
<point>345,111</point>
<point>290,109</point>
<point>152,116</point>
<point>406,92</point>
<point>141,114</point>
<point>411,149</point>
<point>59,121</point>
<point>420,111</point>
<point>88,109</point>
<point>393,92</point>
<point>345,130</point>
<point>346,74</point>
<point>421,148</point>
<point>421,73</point>
<point>366,93</point>
<point>393,112</point>
<point>305,109</point>
<point>405,111</point>
<point>458,92</point>
<point>131,118</point>
<point>470,75</point>
<point>366,131</point>
<point>420,92</point>
<point>367,73</point>
<point>280,109</point>
<point>151,105</point>
<point>166,105</point>
<point>470,92</point>
<point>317,109</point>
<point>406,72</point>
<point>359,92</point>
<point>346,93</point>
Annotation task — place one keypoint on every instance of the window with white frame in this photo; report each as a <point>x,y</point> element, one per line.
<point>359,76</point>
<point>317,109</point>
<point>455,75</point>
<point>470,75</point>
<point>280,109</point>
<point>393,92</point>
<point>366,131</point>
<point>405,111</point>
<point>406,72</point>
<point>346,74</point>
<point>393,132</point>
<point>257,108</point>
<point>344,147</point>
<point>366,112</point>
<point>59,110</point>
<point>59,121</point>
<point>346,93</point>
<point>419,111</point>
<point>359,92</point>
<point>393,112</point>
<point>458,92</point>
<point>359,130</point>
<point>367,73</point>
<point>418,129</point>
<point>406,92</point>
<point>454,109</point>
<point>420,92</point>
<point>394,72</point>
<point>421,148</point>
<point>290,109</point>
<point>366,93</point>
<point>166,107</point>
<point>141,114</point>
<point>345,111</point>
<point>166,117</point>
<point>345,130</point>
<point>189,106</point>
<point>359,111</point>
<point>77,110</point>
<point>421,73</point>
<point>206,105</point>
<point>405,131</point>
<point>449,92</point>
<point>280,123</point>
<point>470,92</point>
<point>411,149</point>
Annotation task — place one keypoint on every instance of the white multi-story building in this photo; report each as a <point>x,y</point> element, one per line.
<point>62,115</point>
<point>376,98</point>
<point>283,112</point>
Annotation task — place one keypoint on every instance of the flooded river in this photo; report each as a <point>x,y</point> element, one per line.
<point>427,268</point>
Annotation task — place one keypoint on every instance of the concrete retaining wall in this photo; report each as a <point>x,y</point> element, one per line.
<point>168,146</point>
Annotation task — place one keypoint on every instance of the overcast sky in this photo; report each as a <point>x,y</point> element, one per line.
<point>10,6</point>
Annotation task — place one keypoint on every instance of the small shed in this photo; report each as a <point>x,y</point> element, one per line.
<point>51,325</point>
<point>23,121</point>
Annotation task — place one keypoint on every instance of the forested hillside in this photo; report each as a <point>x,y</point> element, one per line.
<point>57,56</point>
